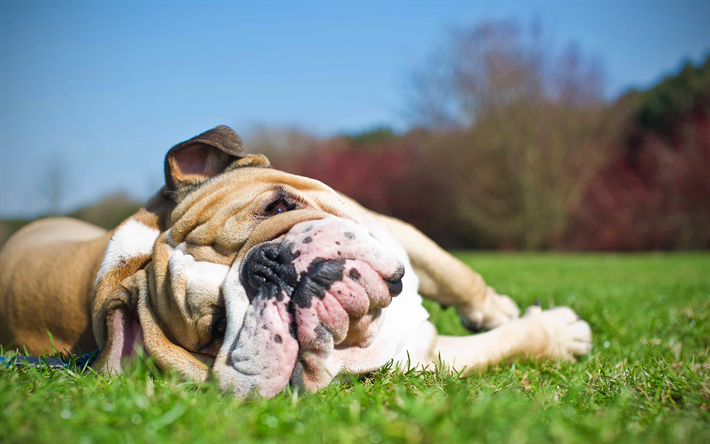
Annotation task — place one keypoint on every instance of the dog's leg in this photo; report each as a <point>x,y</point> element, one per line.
<point>450,282</point>
<point>557,333</point>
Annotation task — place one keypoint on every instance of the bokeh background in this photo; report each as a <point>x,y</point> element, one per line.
<point>491,125</point>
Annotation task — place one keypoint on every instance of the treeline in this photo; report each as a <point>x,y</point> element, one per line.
<point>516,149</point>
<point>107,213</point>
<point>513,146</point>
<point>653,189</point>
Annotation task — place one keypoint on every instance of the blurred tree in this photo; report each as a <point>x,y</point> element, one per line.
<point>54,186</point>
<point>653,192</point>
<point>522,129</point>
<point>377,135</point>
<point>661,108</point>
<point>109,211</point>
<point>283,146</point>
<point>106,213</point>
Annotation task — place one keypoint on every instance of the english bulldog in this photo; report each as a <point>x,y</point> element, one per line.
<point>260,279</point>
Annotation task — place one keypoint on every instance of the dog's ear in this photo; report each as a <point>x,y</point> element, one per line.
<point>135,325</point>
<point>190,163</point>
<point>116,290</point>
<point>119,324</point>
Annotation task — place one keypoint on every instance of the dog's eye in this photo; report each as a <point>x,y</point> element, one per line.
<point>279,208</point>
<point>219,328</point>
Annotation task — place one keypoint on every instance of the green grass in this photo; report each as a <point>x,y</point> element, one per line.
<point>646,380</point>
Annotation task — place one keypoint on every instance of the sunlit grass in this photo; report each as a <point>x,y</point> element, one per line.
<point>646,380</point>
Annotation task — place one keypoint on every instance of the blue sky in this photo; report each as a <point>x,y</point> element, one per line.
<point>105,88</point>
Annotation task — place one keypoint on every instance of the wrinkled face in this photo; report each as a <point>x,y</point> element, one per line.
<point>273,279</point>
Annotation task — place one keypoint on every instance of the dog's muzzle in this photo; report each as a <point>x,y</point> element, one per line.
<point>269,271</point>
<point>321,286</point>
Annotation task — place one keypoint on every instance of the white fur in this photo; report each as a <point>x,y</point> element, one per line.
<point>195,281</point>
<point>130,240</point>
<point>405,316</point>
<point>169,239</point>
<point>236,303</point>
<point>203,278</point>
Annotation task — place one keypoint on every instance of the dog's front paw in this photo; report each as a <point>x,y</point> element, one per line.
<point>557,333</point>
<point>498,309</point>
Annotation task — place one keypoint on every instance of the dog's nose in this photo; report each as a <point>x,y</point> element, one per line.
<point>270,263</point>
<point>394,282</point>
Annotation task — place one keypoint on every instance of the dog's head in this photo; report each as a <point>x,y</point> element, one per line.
<point>251,275</point>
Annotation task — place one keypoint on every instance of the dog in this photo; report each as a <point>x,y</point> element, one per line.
<point>261,279</point>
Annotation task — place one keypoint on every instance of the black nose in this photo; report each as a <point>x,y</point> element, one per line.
<point>395,288</point>
<point>269,266</point>
<point>394,282</point>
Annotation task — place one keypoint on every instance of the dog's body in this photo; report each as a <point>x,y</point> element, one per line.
<point>260,278</point>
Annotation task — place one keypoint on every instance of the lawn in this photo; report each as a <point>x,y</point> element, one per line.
<point>647,379</point>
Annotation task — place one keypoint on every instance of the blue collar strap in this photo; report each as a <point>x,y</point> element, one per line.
<point>82,363</point>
